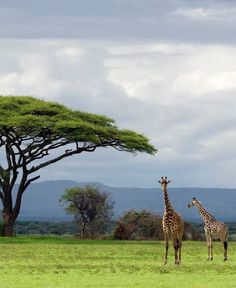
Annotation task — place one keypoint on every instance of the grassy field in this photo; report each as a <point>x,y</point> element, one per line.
<point>54,262</point>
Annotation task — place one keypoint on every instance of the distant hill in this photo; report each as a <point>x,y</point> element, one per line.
<point>40,201</point>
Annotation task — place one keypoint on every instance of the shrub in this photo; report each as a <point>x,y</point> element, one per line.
<point>138,225</point>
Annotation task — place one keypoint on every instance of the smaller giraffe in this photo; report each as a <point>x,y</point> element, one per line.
<point>213,228</point>
<point>172,224</point>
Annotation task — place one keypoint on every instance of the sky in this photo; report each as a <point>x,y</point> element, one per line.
<point>166,69</point>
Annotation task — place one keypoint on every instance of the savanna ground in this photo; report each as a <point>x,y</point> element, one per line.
<point>57,262</point>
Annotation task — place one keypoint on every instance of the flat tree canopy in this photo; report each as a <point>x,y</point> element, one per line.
<point>30,129</point>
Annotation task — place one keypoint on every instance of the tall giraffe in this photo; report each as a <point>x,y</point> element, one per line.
<point>173,225</point>
<point>212,229</point>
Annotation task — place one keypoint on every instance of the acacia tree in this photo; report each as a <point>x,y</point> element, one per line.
<point>92,209</point>
<point>31,129</point>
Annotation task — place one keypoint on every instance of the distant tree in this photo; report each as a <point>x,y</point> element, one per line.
<point>138,225</point>
<point>92,209</point>
<point>31,129</point>
<point>45,228</point>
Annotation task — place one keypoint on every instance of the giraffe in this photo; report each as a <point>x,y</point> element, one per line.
<point>212,229</point>
<point>172,223</point>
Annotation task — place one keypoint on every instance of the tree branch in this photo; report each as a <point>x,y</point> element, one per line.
<point>77,150</point>
<point>44,151</point>
<point>30,180</point>
<point>54,160</point>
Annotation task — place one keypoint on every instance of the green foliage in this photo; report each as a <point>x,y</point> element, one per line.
<point>58,263</point>
<point>16,112</point>
<point>92,209</point>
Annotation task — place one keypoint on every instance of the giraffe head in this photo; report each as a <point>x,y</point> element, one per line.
<point>193,202</point>
<point>164,182</point>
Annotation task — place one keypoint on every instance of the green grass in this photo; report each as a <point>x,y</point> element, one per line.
<point>55,262</point>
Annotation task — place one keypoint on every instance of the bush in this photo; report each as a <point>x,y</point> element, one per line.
<point>138,225</point>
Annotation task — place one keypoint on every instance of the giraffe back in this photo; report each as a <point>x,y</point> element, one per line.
<point>216,229</point>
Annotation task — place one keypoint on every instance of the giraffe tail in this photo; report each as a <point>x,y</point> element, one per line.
<point>225,245</point>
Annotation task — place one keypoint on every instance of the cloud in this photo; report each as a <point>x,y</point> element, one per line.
<point>180,95</point>
<point>119,20</point>
<point>200,82</point>
<point>221,12</point>
<point>169,72</point>
<point>148,48</point>
<point>188,91</point>
<point>32,79</point>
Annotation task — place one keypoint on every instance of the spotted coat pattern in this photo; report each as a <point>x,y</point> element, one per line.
<point>172,224</point>
<point>213,229</point>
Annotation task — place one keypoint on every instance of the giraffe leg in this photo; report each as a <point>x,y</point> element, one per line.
<point>223,239</point>
<point>211,250</point>
<point>167,247</point>
<point>225,250</point>
<point>210,255</point>
<point>225,245</point>
<point>176,247</point>
<point>180,245</point>
<point>210,247</point>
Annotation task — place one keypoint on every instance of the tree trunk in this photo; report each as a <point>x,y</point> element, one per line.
<point>8,221</point>
<point>83,231</point>
<point>9,212</point>
<point>8,229</point>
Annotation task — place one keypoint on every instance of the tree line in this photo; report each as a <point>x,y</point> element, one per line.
<point>193,231</point>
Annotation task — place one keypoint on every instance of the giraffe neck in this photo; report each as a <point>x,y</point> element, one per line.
<point>168,207</point>
<point>204,214</point>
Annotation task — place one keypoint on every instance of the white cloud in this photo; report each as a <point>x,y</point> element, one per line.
<point>165,48</point>
<point>32,76</point>
<point>136,80</point>
<point>200,82</point>
<point>182,74</point>
<point>202,13</point>
<point>73,54</point>
<point>189,95</point>
<point>182,96</point>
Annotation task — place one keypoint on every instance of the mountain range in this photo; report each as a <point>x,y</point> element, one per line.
<point>40,201</point>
